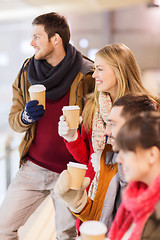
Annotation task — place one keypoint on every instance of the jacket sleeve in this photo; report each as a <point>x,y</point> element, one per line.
<point>18,104</point>
<point>80,148</point>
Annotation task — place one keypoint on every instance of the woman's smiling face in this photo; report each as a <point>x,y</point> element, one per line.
<point>104,76</point>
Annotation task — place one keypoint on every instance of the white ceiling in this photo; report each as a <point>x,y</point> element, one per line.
<point>18,9</point>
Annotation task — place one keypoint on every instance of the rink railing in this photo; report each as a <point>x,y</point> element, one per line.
<point>8,150</point>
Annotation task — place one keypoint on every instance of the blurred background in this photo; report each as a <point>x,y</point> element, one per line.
<point>94,24</point>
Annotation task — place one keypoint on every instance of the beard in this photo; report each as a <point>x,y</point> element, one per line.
<point>44,53</point>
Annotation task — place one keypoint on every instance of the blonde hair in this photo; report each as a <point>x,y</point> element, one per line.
<point>120,58</point>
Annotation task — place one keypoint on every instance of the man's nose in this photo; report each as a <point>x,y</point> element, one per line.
<point>32,43</point>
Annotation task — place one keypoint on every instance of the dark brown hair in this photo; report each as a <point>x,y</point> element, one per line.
<point>133,104</point>
<point>54,23</point>
<point>142,131</point>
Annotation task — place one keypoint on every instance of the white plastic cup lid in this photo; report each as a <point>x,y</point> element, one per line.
<point>74,107</point>
<point>77,165</point>
<point>37,88</point>
<point>93,228</point>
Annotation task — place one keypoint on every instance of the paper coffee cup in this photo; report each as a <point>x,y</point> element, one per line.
<point>93,230</point>
<point>71,114</point>
<point>77,172</point>
<point>38,92</point>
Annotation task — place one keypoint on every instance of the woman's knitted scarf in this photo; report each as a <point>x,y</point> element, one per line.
<point>58,79</point>
<point>138,203</point>
<point>98,137</point>
<point>99,121</point>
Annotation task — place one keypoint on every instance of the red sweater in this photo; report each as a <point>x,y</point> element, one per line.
<point>48,149</point>
<point>81,150</point>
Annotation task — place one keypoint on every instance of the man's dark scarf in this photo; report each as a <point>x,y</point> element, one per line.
<point>58,79</point>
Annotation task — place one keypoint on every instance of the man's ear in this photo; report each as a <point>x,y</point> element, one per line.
<point>56,39</point>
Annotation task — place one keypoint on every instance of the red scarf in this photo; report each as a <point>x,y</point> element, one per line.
<point>138,202</point>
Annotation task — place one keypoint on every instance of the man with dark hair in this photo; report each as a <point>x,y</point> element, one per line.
<point>123,109</point>
<point>107,198</point>
<point>66,74</point>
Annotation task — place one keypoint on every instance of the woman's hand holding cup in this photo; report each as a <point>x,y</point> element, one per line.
<point>64,131</point>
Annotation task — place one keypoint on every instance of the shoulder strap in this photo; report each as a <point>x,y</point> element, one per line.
<point>21,71</point>
<point>85,57</point>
